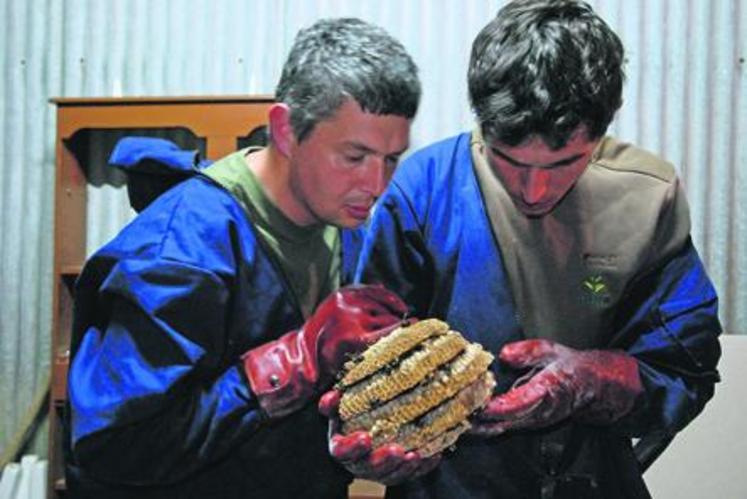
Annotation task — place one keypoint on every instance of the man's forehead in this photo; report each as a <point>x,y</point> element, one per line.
<point>535,151</point>
<point>352,127</point>
<point>368,148</point>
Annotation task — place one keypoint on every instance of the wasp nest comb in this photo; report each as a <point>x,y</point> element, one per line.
<point>417,386</point>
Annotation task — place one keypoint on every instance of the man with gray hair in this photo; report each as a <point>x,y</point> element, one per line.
<point>206,330</point>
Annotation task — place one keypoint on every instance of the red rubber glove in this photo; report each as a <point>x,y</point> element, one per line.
<point>595,386</point>
<point>389,464</point>
<point>286,373</point>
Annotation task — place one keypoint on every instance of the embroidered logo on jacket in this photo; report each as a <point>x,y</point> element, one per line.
<point>594,291</point>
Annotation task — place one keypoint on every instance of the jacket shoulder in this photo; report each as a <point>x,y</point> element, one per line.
<point>445,147</point>
<point>195,222</point>
<point>621,156</point>
<point>433,163</point>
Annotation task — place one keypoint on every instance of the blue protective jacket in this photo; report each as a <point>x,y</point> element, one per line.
<point>431,241</point>
<point>158,401</point>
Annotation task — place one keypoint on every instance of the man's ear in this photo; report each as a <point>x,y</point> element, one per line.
<point>281,131</point>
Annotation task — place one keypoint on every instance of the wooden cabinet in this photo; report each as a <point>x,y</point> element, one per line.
<point>217,124</point>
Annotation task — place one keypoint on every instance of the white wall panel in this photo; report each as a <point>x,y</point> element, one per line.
<point>26,178</point>
<point>685,99</point>
<point>736,293</point>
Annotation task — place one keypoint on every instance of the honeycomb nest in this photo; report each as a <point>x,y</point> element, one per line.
<point>416,386</point>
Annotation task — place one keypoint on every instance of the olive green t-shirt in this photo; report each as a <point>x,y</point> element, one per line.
<point>309,257</point>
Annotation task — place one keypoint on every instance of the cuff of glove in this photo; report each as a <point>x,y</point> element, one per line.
<point>279,377</point>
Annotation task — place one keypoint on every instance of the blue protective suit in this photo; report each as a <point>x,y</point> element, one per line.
<point>157,394</point>
<point>431,241</point>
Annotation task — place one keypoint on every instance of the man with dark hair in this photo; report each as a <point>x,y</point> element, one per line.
<point>206,330</point>
<point>566,253</point>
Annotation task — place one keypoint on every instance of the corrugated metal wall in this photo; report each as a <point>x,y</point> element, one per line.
<point>686,99</point>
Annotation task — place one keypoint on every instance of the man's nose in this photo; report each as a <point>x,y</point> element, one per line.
<point>536,185</point>
<point>376,176</point>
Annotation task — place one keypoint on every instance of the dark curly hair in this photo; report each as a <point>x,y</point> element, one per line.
<point>544,68</point>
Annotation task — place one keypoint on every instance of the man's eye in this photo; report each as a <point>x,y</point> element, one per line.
<point>354,159</point>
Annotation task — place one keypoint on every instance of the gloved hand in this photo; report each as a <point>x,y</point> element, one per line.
<point>595,386</point>
<point>286,373</point>
<point>389,464</point>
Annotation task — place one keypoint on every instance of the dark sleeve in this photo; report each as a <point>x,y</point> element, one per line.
<point>394,252</point>
<point>151,397</point>
<point>670,325</point>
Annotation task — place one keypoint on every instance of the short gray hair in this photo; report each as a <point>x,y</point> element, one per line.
<point>335,59</point>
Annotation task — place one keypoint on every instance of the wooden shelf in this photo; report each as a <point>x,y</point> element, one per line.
<point>59,485</point>
<point>71,270</point>
<point>160,101</point>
